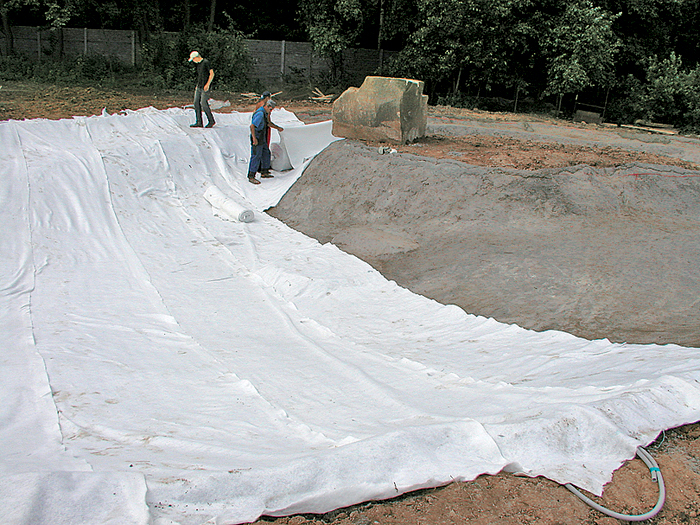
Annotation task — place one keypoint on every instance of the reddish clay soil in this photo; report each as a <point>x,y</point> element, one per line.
<point>502,499</point>
<point>527,155</point>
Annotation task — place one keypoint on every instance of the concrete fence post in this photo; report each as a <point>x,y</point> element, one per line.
<point>284,45</point>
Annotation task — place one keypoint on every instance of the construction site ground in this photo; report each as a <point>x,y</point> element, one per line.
<point>426,251</point>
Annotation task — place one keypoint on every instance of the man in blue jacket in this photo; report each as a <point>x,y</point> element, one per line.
<point>260,157</point>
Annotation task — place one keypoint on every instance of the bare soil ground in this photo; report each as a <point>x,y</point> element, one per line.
<point>501,499</point>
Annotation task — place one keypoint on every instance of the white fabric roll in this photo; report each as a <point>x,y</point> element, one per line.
<point>227,208</point>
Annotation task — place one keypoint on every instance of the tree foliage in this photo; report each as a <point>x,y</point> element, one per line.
<point>580,47</point>
<point>670,93</point>
<point>332,25</point>
<point>166,65</point>
<point>7,9</point>
<point>468,42</point>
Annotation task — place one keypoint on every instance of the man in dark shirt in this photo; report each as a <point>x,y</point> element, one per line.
<point>205,74</point>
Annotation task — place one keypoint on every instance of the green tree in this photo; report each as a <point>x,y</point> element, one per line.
<point>514,32</point>
<point>398,18</point>
<point>6,8</point>
<point>332,25</point>
<point>665,88</point>
<point>437,48</point>
<point>670,94</point>
<point>580,48</point>
<point>471,42</point>
<point>59,12</point>
<point>691,117</point>
<point>654,27</point>
<point>165,59</point>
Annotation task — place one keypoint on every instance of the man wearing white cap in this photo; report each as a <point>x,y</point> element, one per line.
<point>205,74</point>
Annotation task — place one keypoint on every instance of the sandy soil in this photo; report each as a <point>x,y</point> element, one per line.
<point>520,222</point>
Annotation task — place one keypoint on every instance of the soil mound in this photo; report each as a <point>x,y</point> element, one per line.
<point>597,252</point>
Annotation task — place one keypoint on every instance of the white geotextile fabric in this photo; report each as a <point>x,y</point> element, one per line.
<point>226,207</point>
<point>159,363</point>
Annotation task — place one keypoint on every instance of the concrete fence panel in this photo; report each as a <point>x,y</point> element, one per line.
<point>273,62</point>
<point>42,44</point>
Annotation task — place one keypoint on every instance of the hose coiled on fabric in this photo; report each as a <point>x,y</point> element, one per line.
<point>655,476</point>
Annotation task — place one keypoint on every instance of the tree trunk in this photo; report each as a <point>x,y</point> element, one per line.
<point>9,39</point>
<point>59,43</point>
<point>605,105</point>
<point>379,35</point>
<point>212,12</point>
<point>457,83</point>
<point>381,24</point>
<point>187,17</point>
<point>141,24</point>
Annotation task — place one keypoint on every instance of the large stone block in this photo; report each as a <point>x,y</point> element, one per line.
<point>382,109</point>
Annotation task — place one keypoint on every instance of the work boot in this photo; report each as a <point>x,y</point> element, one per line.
<point>266,175</point>
<point>196,125</point>
<point>210,124</point>
<point>253,180</point>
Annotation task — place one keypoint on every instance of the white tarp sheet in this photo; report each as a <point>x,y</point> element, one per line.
<point>162,365</point>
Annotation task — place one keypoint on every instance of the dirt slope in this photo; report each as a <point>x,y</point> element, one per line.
<point>570,249</point>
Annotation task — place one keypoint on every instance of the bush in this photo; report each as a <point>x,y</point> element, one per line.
<point>670,94</point>
<point>165,59</point>
<point>494,103</point>
<point>625,104</point>
<point>162,60</point>
<point>15,68</point>
<point>663,93</point>
<point>93,69</point>
<point>691,117</point>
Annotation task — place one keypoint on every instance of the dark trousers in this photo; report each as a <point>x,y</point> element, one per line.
<point>260,159</point>
<point>201,102</point>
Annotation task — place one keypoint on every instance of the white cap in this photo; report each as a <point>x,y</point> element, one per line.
<point>193,55</point>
